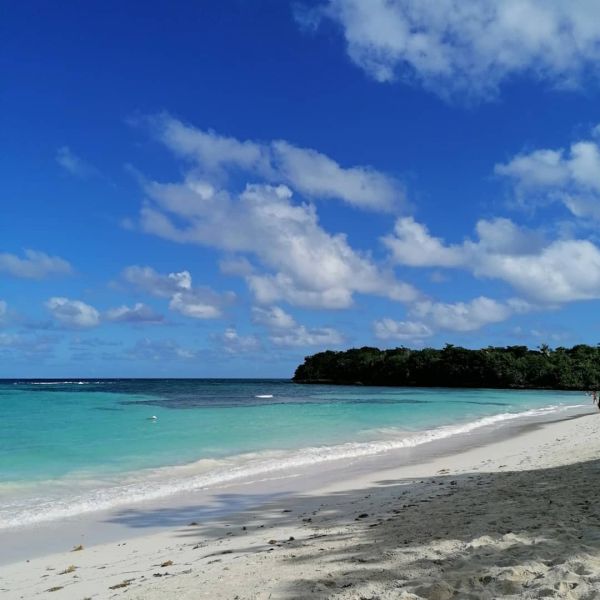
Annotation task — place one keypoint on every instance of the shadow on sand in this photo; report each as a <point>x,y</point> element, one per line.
<point>519,534</point>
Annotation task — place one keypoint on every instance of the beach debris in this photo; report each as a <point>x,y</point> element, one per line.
<point>77,548</point>
<point>55,588</point>
<point>362,516</point>
<point>272,542</point>
<point>123,584</point>
<point>167,563</point>
<point>68,570</point>
<point>192,524</point>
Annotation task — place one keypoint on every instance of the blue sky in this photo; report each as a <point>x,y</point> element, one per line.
<point>219,189</point>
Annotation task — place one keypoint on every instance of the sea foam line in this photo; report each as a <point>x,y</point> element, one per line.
<point>59,382</point>
<point>230,470</point>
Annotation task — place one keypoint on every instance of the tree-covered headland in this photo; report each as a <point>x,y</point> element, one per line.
<point>576,368</point>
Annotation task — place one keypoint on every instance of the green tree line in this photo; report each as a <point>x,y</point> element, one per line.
<point>576,368</point>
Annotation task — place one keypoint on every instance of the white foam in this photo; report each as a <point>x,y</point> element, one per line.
<point>264,396</point>
<point>60,382</point>
<point>166,481</point>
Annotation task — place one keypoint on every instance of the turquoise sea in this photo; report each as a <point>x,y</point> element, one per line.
<point>69,447</point>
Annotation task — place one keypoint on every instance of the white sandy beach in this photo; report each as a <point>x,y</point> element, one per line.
<point>516,518</point>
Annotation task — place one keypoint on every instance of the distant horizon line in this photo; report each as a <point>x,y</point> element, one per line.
<point>74,379</point>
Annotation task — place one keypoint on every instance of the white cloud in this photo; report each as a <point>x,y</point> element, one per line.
<point>148,280</point>
<point>35,265</point>
<point>317,176</point>
<point>212,151</point>
<point>73,313</point>
<point>238,266</point>
<point>570,176</point>
<point>468,49</point>
<point>190,301</point>
<point>563,271</point>
<point>301,336</point>
<point>544,272</point>
<point>273,317</point>
<point>412,245</point>
<point>428,317</point>
<point>307,171</point>
<point>285,331</point>
<point>197,306</point>
<point>307,265</point>
<point>72,163</point>
<point>413,331</point>
<point>462,316</point>
<point>234,343</point>
<point>139,313</point>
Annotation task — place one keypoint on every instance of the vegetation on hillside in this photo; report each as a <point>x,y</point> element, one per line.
<point>576,368</point>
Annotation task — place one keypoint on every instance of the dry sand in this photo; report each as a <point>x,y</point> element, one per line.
<point>517,518</point>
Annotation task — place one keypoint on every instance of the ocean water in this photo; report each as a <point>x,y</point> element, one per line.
<point>70,447</point>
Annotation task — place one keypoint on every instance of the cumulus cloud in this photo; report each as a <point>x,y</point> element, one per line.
<point>317,176</point>
<point>138,313</point>
<point>410,331</point>
<point>73,164</point>
<point>463,316</point>
<point>146,279</point>
<point>310,173</point>
<point>302,336</point>
<point>196,302</point>
<point>34,265</point>
<point>307,266</point>
<point>234,343</point>
<point>544,272</point>
<point>467,49</point>
<point>273,317</point>
<point>285,331</point>
<point>563,271</point>
<point>570,176</point>
<point>428,317</point>
<point>73,313</point>
<point>238,266</point>
<point>411,244</point>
